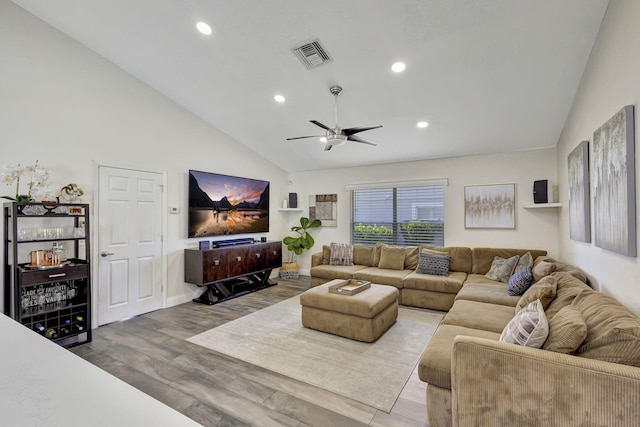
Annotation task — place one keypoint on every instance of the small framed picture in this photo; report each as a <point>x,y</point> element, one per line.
<point>490,206</point>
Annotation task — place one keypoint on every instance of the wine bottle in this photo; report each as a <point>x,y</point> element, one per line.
<point>64,330</point>
<point>79,318</point>
<point>38,327</point>
<point>51,334</point>
<point>78,327</point>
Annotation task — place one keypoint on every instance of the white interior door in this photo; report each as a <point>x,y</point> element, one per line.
<point>130,265</point>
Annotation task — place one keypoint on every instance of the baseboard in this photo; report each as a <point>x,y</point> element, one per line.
<point>181,299</point>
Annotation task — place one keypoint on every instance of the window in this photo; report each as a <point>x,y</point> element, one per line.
<point>398,214</point>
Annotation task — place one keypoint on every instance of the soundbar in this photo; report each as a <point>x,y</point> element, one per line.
<point>231,242</point>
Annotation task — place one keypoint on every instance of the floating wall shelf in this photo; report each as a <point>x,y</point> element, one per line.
<point>543,205</point>
<point>290,209</point>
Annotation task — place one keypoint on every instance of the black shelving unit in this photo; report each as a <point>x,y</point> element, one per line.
<point>53,300</point>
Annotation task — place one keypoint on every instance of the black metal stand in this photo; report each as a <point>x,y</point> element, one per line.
<point>227,289</point>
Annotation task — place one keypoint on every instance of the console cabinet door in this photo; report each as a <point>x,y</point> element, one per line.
<point>214,265</point>
<point>274,255</point>
<point>257,257</point>
<point>237,261</point>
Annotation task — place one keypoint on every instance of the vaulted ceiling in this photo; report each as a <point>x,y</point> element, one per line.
<point>487,75</point>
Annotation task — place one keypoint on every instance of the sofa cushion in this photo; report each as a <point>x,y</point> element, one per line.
<point>481,278</point>
<point>433,264</point>
<point>411,257</point>
<point>460,256</point>
<point>528,328</point>
<point>568,287</point>
<point>479,315</point>
<point>326,254</point>
<point>376,254</point>
<point>542,268</point>
<point>382,276</point>
<point>567,330</point>
<point>520,281</point>
<point>613,332</point>
<point>489,293</point>
<point>341,254</point>
<point>543,290</point>
<point>392,258</point>
<point>502,268</point>
<point>435,364</point>
<point>450,284</point>
<point>483,257</point>
<point>572,270</point>
<point>363,255</point>
<point>335,271</point>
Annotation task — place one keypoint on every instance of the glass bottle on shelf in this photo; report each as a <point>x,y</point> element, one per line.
<point>51,334</point>
<point>38,327</point>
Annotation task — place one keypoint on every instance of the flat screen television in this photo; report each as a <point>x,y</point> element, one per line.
<point>222,205</point>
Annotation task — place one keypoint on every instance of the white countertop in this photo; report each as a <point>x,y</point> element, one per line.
<point>43,384</point>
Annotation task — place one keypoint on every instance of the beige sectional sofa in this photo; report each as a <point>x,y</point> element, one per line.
<point>416,290</point>
<point>476,380</point>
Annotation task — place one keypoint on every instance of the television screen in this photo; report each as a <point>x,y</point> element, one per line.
<point>223,204</point>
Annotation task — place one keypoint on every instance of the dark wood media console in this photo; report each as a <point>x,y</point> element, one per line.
<point>231,271</point>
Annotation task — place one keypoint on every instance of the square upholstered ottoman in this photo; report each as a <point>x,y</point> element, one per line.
<point>363,316</point>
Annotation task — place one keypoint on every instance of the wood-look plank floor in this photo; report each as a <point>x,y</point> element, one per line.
<point>150,353</point>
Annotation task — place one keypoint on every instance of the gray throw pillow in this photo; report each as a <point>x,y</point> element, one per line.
<point>501,269</point>
<point>433,264</point>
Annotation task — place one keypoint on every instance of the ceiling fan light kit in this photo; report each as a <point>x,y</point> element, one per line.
<point>337,136</point>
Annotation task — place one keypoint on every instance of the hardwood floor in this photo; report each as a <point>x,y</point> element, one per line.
<point>150,353</point>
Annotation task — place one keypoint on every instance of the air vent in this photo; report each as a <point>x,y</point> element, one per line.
<point>312,54</point>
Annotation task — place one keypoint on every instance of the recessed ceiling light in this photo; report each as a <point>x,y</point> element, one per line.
<point>422,124</point>
<point>323,139</point>
<point>204,28</point>
<point>398,67</point>
<point>279,98</point>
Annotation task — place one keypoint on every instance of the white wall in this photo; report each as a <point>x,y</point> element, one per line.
<point>611,81</point>
<point>69,108</point>
<point>535,228</point>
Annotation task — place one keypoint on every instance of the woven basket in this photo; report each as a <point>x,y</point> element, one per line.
<point>289,270</point>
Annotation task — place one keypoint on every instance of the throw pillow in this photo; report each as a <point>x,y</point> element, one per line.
<point>542,269</point>
<point>528,328</point>
<point>429,263</point>
<point>567,330</point>
<point>392,258</point>
<point>543,290</point>
<point>501,269</point>
<point>520,281</point>
<point>525,260</point>
<point>341,254</point>
<point>411,257</point>
<point>363,255</point>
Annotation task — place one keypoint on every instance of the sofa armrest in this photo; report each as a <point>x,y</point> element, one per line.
<point>494,383</point>
<point>316,259</point>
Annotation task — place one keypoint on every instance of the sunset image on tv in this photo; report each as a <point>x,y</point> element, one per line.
<point>223,204</point>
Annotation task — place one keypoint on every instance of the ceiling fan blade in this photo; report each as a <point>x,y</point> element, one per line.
<point>303,137</point>
<point>358,139</point>
<point>317,123</point>
<point>328,147</point>
<point>351,131</point>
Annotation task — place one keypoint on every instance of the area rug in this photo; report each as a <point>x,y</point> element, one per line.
<point>374,374</point>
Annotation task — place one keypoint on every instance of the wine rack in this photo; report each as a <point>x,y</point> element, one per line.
<point>53,298</point>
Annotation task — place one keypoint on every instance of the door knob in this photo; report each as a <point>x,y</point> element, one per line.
<point>105,253</point>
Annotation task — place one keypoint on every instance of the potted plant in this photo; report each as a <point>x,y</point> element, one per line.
<point>297,244</point>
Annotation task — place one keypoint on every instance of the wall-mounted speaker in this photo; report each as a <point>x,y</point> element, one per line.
<point>544,191</point>
<point>293,200</point>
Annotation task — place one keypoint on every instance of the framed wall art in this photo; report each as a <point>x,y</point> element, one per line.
<point>614,184</point>
<point>325,208</point>
<point>579,206</point>
<point>490,206</point>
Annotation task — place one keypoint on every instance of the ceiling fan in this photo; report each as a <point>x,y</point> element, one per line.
<point>337,136</point>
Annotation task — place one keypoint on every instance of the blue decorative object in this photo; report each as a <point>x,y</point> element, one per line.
<point>520,281</point>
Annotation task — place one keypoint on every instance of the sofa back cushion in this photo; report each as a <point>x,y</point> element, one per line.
<point>481,258</point>
<point>568,288</point>
<point>411,257</point>
<point>460,256</point>
<point>613,331</point>
<point>567,330</point>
